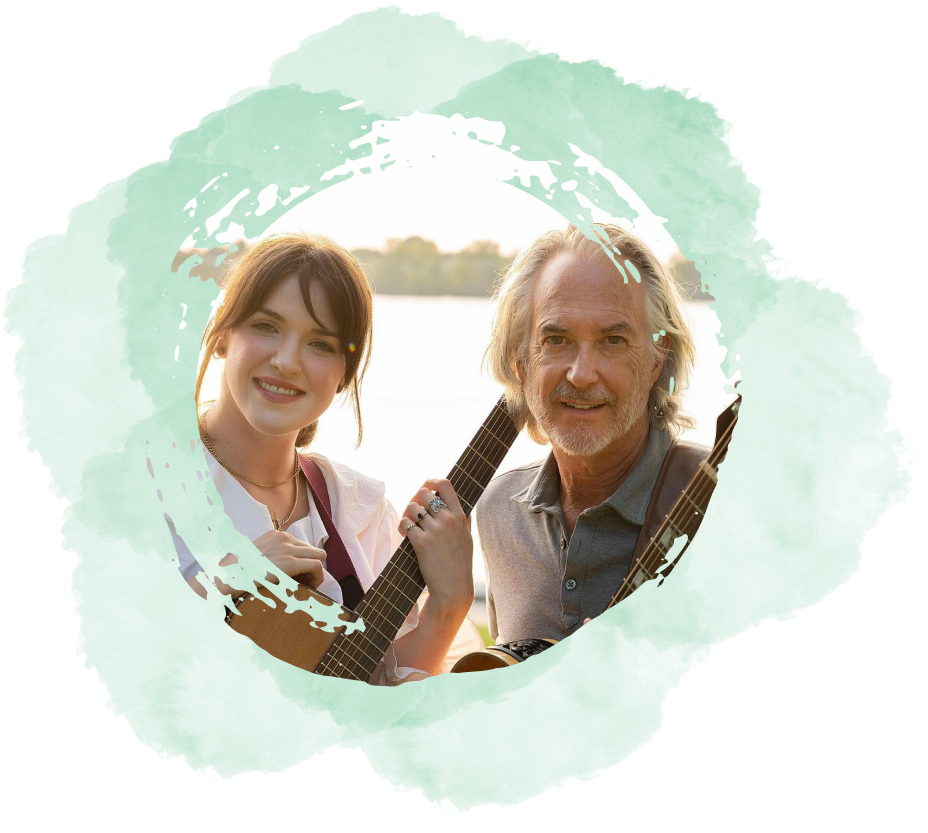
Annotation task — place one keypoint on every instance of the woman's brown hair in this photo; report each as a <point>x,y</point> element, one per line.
<point>314,260</point>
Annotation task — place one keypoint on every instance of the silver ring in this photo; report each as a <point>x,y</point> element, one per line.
<point>435,504</point>
<point>411,526</point>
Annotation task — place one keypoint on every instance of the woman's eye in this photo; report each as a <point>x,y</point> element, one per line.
<point>264,327</point>
<point>322,346</point>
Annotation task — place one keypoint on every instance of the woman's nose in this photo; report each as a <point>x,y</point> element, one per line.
<point>287,357</point>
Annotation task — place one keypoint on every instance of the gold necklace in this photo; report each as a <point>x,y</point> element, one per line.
<point>278,524</point>
<point>209,447</point>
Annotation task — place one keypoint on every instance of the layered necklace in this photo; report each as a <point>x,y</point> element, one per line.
<point>278,524</point>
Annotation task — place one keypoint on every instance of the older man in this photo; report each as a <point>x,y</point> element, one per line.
<point>593,350</point>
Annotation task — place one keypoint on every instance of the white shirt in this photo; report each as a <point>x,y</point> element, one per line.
<point>366,522</point>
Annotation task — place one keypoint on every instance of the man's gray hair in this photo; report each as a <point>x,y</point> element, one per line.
<point>664,310</point>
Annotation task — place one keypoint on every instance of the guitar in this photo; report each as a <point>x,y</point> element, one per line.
<point>684,518</point>
<point>354,653</point>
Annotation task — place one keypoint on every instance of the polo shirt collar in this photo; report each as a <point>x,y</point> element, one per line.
<point>630,500</point>
<point>543,493</point>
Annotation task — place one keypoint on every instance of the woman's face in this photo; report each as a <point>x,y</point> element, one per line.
<point>283,367</point>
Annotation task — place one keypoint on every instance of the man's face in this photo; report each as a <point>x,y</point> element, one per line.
<point>589,368</point>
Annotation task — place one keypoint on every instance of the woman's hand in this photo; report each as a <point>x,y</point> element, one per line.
<point>292,556</point>
<point>443,544</point>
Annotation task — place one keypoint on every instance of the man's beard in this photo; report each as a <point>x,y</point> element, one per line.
<point>584,440</point>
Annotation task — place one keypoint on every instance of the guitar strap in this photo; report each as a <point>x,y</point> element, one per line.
<point>680,464</point>
<point>337,560</point>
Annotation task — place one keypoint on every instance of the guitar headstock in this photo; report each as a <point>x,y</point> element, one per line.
<point>724,426</point>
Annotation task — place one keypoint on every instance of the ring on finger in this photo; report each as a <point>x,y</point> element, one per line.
<point>421,515</point>
<point>435,504</point>
<point>410,526</point>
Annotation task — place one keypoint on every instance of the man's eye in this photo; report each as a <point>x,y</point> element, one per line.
<point>555,341</point>
<point>615,339</point>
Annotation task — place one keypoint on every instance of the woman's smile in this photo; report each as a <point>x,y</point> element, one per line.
<point>275,390</point>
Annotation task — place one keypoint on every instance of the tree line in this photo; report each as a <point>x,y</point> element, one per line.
<point>415,266</point>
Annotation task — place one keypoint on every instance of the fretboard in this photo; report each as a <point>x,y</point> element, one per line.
<point>685,516</point>
<point>392,596</point>
<point>684,519</point>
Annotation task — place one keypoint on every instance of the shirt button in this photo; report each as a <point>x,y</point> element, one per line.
<point>570,584</point>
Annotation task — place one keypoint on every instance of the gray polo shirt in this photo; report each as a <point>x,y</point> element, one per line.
<point>539,583</point>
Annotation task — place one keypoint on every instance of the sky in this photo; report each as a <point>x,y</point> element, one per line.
<point>369,211</point>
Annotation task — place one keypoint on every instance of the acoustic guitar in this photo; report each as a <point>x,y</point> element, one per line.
<point>652,562</point>
<point>354,653</point>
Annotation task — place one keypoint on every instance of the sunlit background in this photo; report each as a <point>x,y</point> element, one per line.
<point>424,242</point>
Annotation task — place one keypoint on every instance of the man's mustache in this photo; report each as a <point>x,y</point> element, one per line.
<point>583,397</point>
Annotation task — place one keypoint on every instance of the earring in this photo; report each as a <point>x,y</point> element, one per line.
<point>220,351</point>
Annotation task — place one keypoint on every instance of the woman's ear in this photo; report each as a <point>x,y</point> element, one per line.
<point>220,351</point>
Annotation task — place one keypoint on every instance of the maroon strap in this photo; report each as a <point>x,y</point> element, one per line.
<point>337,561</point>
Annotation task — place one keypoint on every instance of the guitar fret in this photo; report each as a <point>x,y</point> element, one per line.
<point>472,471</point>
<point>375,659</point>
<point>699,509</point>
<point>386,613</point>
<point>395,592</point>
<point>501,442</point>
<point>393,605</point>
<point>483,458</point>
<point>468,476</point>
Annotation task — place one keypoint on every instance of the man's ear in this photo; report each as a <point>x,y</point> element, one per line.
<point>664,344</point>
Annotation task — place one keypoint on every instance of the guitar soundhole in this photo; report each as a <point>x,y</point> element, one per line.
<point>525,648</point>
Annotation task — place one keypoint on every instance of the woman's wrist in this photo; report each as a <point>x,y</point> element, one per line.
<point>448,608</point>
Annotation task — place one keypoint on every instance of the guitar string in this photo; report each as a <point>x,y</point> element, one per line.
<point>655,553</point>
<point>487,473</point>
<point>402,568</point>
<point>647,562</point>
<point>497,421</point>
<point>714,460</point>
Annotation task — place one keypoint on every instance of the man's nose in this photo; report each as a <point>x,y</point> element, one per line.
<point>583,371</point>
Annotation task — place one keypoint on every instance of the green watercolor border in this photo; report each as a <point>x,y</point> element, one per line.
<point>811,444</point>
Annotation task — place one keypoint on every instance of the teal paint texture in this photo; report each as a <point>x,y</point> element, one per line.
<point>810,470</point>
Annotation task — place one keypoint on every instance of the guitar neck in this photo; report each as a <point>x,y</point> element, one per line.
<point>395,592</point>
<point>685,515</point>
<point>684,519</point>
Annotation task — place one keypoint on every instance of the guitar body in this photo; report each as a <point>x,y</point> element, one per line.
<point>501,656</point>
<point>292,637</point>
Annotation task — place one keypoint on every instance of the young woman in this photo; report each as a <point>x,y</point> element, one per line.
<point>294,330</point>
